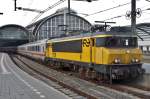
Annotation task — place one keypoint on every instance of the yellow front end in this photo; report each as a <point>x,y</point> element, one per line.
<point>119,63</point>
<point>120,55</point>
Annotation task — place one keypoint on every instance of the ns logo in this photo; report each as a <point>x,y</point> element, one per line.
<point>86,42</point>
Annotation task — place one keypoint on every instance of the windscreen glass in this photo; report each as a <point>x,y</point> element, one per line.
<point>117,42</point>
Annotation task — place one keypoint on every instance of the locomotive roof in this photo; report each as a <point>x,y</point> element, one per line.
<point>114,31</point>
<point>88,35</point>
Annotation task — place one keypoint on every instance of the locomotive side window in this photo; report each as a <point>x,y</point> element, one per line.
<point>68,46</point>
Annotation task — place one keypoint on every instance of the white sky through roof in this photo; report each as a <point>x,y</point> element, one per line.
<point>24,18</point>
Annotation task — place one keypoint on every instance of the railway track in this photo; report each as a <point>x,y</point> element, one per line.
<point>85,88</point>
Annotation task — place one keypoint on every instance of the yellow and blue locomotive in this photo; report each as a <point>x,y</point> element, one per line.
<point>112,54</point>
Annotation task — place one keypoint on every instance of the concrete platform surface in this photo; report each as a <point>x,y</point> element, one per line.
<point>16,84</point>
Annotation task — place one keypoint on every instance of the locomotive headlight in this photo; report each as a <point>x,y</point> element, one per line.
<point>117,61</point>
<point>133,60</point>
<point>136,60</point>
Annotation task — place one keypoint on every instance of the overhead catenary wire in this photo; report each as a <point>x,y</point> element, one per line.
<point>120,5</point>
<point>115,17</point>
<point>146,13</point>
<point>147,0</point>
<point>119,16</point>
<point>108,9</point>
<point>29,4</point>
<point>47,9</point>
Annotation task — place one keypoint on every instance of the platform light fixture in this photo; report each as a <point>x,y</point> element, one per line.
<point>148,9</point>
<point>147,0</point>
<point>87,0</point>
<point>28,9</point>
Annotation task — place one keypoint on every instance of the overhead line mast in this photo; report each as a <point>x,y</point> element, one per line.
<point>15,5</point>
<point>133,16</point>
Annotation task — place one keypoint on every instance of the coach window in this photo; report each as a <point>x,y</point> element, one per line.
<point>30,49</point>
<point>38,48</point>
<point>43,49</point>
<point>33,48</point>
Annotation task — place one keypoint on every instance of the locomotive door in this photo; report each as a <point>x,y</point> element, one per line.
<point>93,50</point>
<point>87,50</point>
<point>48,50</point>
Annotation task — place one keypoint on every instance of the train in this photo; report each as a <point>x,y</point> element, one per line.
<point>101,55</point>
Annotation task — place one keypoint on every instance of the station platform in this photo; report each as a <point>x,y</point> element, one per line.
<point>17,84</point>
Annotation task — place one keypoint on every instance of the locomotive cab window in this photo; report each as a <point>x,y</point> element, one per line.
<point>116,42</point>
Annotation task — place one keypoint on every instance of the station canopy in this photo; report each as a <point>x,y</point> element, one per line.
<point>13,35</point>
<point>143,31</point>
<point>59,24</point>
